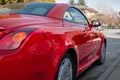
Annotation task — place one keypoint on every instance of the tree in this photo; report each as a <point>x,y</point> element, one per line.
<point>82,2</point>
<point>72,2</point>
<point>19,1</point>
<point>78,2</point>
<point>2,2</point>
<point>109,16</point>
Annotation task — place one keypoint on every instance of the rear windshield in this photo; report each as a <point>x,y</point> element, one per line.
<point>41,9</point>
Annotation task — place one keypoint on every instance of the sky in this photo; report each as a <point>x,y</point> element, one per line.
<point>62,1</point>
<point>112,4</point>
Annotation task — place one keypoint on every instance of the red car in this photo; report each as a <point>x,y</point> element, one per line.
<point>48,41</point>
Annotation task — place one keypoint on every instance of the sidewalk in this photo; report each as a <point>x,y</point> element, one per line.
<point>113,72</point>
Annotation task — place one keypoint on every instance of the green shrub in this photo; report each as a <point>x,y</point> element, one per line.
<point>118,27</point>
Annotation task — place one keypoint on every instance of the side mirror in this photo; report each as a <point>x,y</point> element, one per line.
<point>95,23</point>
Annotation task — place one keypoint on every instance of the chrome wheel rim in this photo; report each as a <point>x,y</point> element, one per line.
<point>103,53</point>
<point>65,70</point>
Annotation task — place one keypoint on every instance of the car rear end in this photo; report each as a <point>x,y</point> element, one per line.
<point>25,55</point>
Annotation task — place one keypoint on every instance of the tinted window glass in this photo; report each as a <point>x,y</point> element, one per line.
<point>68,17</point>
<point>41,9</point>
<point>78,16</point>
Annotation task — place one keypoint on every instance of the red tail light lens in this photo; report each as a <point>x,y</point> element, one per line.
<point>12,40</point>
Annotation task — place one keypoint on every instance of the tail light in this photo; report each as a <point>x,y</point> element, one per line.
<point>12,40</point>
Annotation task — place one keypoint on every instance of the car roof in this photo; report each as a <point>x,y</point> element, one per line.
<point>58,10</point>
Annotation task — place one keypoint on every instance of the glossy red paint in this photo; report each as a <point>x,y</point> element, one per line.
<point>50,37</point>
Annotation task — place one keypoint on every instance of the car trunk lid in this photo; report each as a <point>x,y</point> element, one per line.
<point>17,21</point>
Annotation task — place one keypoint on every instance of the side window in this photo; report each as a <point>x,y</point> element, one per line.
<point>67,16</point>
<point>78,17</point>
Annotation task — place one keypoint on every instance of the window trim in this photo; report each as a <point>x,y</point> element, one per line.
<point>80,12</point>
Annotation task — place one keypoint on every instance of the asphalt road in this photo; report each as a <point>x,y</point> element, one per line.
<point>113,50</point>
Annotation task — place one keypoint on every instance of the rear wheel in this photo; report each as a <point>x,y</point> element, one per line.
<point>102,55</point>
<point>66,69</point>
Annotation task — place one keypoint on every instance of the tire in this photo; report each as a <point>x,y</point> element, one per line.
<point>102,55</point>
<point>66,70</point>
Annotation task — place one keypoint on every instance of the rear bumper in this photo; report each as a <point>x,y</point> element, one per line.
<point>16,65</point>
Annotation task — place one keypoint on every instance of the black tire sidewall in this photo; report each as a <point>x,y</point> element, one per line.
<point>100,61</point>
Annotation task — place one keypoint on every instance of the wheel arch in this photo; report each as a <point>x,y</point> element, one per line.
<point>100,60</point>
<point>73,55</point>
<point>105,41</point>
<point>71,51</point>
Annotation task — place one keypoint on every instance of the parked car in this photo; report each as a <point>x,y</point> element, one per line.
<point>48,41</point>
<point>112,27</point>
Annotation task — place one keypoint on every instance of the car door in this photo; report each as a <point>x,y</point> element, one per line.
<point>81,36</point>
<point>96,41</point>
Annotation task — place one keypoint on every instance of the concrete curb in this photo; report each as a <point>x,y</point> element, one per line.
<point>109,71</point>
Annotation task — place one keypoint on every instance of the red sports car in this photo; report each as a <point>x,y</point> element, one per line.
<point>48,41</point>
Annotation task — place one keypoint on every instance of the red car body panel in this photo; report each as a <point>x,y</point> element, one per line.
<point>39,55</point>
<point>60,8</point>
